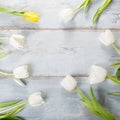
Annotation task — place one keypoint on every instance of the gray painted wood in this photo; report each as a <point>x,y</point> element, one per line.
<point>59,53</point>
<point>59,103</point>
<point>50,14</point>
<point>51,51</point>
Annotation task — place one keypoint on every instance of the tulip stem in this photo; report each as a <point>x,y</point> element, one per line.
<point>4,37</point>
<point>84,4</point>
<point>116,49</point>
<point>10,11</point>
<point>113,79</point>
<point>78,91</point>
<point>5,73</point>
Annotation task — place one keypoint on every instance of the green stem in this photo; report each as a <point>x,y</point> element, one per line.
<point>4,37</point>
<point>10,11</point>
<point>116,49</point>
<point>5,73</point>
<point>116,64</point>
<point>114,93</point>
<point>113,79</point>
<point>78,91</point>
<point>2,55</point>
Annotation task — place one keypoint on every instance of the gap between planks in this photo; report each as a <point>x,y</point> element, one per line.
<point>44,76</point>
<point>55,29</point>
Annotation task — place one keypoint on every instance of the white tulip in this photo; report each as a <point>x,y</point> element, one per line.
<point>67,15</point>
<point>35,99</point>
<point>69,83</point>
<point>17,41</point>
<point>97,74</point>
<point>21,72</point>
<point>107,38</point>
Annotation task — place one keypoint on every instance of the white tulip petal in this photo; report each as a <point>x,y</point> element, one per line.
<point>21,72</point>
<point>107,38</point>
<point>67,15</point>
<point>36,99</point>
<point>17,41</point>
<point>69,83</point>
<point>97,74</point>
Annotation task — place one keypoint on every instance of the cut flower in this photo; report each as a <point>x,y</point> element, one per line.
<point>97,74</point>
<point>68,14</point>
<point>19,73</point>
<point>31,16</point>
<point>27,15</point>
<point>17,41</point>
<point>69,83</point>
<point>108,39</point>
<point>35,99</point>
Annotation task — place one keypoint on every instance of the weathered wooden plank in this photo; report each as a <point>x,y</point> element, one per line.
<point>50,14</point>
<point>59,104</point>
<point>59,53</point>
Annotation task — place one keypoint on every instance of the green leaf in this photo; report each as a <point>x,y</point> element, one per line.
<point>94,106</point>
<point>100,10</point>
<point>118,73</point>
<point>103,113</point>
<point>13,118</point>
<point>7,104</point>
<point>2,55</point>
<point>85,4</point>
<point>13,111</point>
<point>115,93</point>
<point>116,64</point>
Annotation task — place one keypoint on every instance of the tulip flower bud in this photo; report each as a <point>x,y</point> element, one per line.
<point>69,83</point>
<point>97,74</point>
<point>35,99</point>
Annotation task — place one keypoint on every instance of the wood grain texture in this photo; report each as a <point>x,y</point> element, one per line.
<point>59,53</point>
<point>50,18</point>
<point>59,103</point>
<point>54,50</point>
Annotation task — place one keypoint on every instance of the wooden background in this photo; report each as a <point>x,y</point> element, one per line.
<point>54,50</point>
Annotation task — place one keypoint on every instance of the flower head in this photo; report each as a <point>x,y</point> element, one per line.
<point>107,38</point>
<point>35,99</point>
<point>67,15</point>
<point>21,72</point>
<point>17,41</point>
<point>69,83</point>
<point>31,16</point>
<point>97,74</point>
